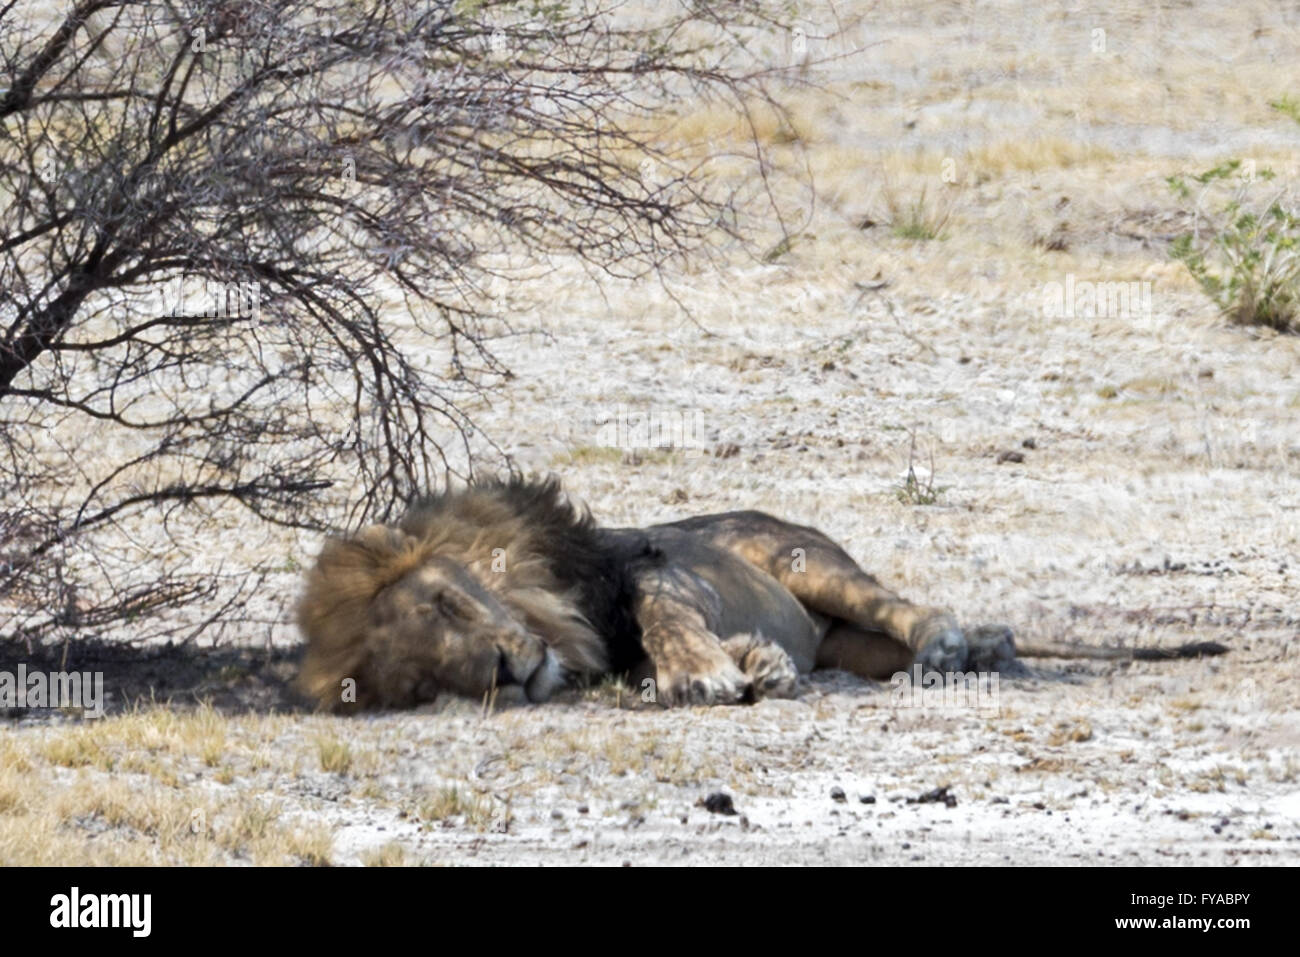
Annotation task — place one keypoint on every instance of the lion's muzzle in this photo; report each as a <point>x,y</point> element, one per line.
<point>549,677</point>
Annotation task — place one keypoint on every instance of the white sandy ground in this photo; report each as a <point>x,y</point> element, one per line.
<point>1019,797</point>
<point>1159,503</point>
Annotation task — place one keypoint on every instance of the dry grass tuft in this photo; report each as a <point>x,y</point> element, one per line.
<point>451,804</point>
<point>391,854</point>
<point>335,754</point>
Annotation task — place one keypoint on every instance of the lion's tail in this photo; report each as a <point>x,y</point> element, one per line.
<point>1195,649</point>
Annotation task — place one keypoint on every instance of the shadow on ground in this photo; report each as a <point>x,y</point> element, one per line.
<point>236,680</point>
<point>232,680</point>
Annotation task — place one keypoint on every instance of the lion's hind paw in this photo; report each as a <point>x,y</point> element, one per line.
<point>993,649</point>
<point>940,645</point>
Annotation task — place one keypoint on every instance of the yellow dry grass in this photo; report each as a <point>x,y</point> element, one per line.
<point>132,790</point>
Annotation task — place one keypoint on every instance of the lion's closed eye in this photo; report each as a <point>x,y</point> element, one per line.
<point>455,606</point>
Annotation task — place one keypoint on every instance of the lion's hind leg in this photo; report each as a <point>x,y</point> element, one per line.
<point>867,654</point>
<point>832,584</point>
<point>827,580</point>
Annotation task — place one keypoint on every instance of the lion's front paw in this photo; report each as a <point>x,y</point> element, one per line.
<point>700,677</point>
<point>768,665</point>
<point>940,645</point>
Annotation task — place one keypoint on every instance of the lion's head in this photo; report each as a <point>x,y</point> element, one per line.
<point>439,629</point>
<point>403,623</point>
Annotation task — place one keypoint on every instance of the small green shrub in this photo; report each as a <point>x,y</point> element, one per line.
<point>1243,251</point>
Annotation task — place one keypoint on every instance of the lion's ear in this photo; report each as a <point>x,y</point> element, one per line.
<point>381,537</point>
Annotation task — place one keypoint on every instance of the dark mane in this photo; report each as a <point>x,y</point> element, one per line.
<point>594,563</point>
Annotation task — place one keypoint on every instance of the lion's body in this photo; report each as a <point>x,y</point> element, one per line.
<point>505,582</point>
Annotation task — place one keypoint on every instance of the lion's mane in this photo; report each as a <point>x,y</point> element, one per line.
<point>567,580</point>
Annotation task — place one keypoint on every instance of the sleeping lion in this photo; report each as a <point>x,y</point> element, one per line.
<point>505,582</point>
